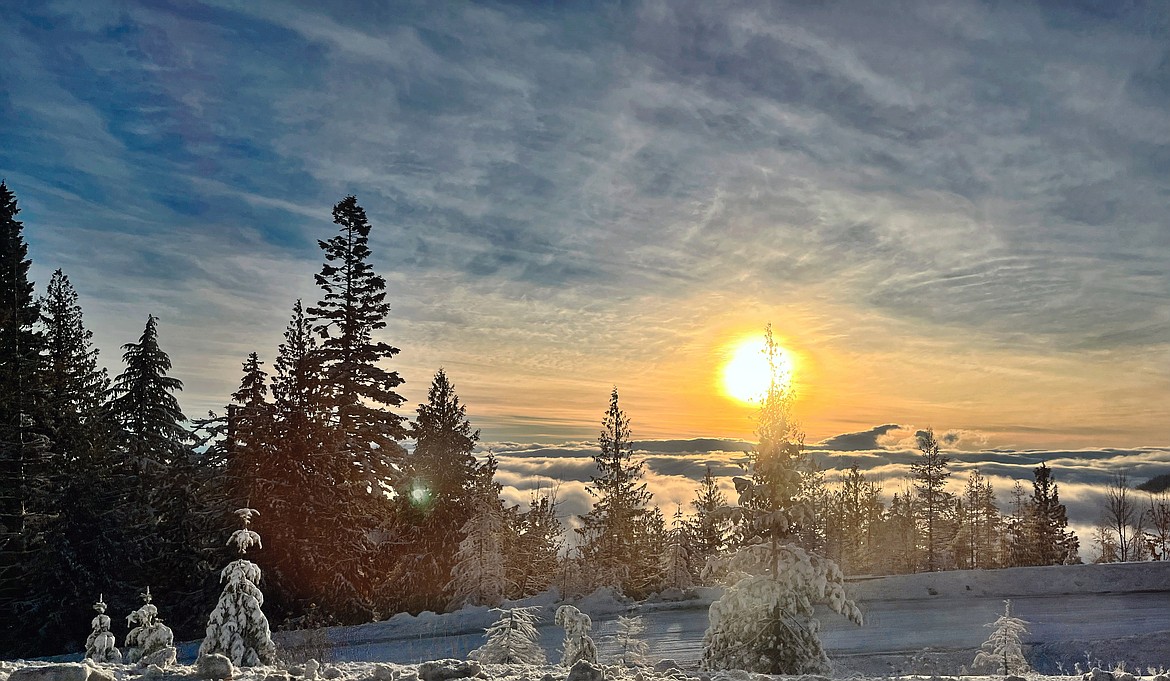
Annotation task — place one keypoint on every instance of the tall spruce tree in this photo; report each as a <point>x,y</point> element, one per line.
<point>436,497</point>
<point>80,548</point>
<point>24,445</point>
<point>297,512</point>
<point>166,534</point>
<point>1050,539</point>
<point>711,530</point>
<point>353,308</point>
<point>935,503</point>
<point>613,529</point>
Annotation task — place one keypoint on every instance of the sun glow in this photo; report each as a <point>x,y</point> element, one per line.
<point>748,375</point>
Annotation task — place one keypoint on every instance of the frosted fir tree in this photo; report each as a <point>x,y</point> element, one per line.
<point>1003,648</point>
<point>578,645</point>
<point>100,645</point>
<point>764,622</point>
<point>676,561</point>
<point>512,639</point>
<point>479,576</point>
<point>632,650</point>
<point>149,635</point>
<point>237,627</point>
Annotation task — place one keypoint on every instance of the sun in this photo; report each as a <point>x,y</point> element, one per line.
<point>747,375</point>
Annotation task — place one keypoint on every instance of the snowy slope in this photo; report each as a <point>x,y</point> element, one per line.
<point>1087,607</point>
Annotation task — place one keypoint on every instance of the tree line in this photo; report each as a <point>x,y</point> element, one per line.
<point>108,488</point>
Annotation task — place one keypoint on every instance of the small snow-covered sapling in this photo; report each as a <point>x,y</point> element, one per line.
<point>100,645</point>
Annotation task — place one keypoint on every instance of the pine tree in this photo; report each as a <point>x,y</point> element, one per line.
<point>250,434</point>
<point>144,405</point>
<point>578,645</point>
<point>149,635</point>
<point>167,520</point>
<point>479,576</point>
<point>1047,521</point>
<point>512,639</point>
<point>24,445</point>
<point>435,498</point>
<point>1003,649</point>
<point>711,530</point>
<point>853,516</point>
<point>677,572</point>
<point>764,622</point>
<point>536,540</point>
<point>979,527</point>
<point>100,645</point>
<point>611,530</point>
<point>930,473</point>
<point>74,384</point>
<point>77,552</point>
<point>632,651</point>
<point>237,628</point>
<point>354,307</point>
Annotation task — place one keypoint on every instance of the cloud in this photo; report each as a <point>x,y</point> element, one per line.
<point>567,196</point>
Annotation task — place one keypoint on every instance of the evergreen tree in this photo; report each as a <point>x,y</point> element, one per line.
<point>979,526</point>
<point>143,404</point>
<point>853,516</point>
<point>578,645</point>
<point>237,627</point>
<point>677,571</point>
<point>24,445</point>
<point>764,622</point>
<point>298,510</point>
<point>1047,521</point>
<point>100,645</point>
<point>1003,649</point>
<point>435,498</point>
<point>167,520</point>
<point>354,307</point>
<point>900,537</point>
<point>479,576</point>
<point>632,651</point>
<point>250,434</point>
<point>513,639</point>
<point>711,529</point>
<point>74,384</point>
<point>612,530</point>
<point>535,544</point>
<point>77,552</point>
<point>930,473</point>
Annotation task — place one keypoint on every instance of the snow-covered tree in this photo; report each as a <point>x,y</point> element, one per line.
<point>436,498</point>
<point>710,529</point>
<point>479,576</point>
<point>512,639</point>
<point>612,532</point>
<point>149,634</point>
<point>578,645</point>
<point>1003,649</point>
<point>237,627</point>
<point>764,621</point>
<point>100,645</point>
<point>533,554</point>
<point>930,473</point>
<point>631,649</point>
<point>676,561</point>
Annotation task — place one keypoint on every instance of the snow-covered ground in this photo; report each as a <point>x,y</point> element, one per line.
<point>1086,615</point>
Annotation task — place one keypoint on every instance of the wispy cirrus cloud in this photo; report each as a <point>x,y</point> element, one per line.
<point>953,211</point>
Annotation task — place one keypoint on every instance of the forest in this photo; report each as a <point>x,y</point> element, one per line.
<point>109,489</point>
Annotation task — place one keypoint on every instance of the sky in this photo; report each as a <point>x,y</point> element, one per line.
<point>953,214</point>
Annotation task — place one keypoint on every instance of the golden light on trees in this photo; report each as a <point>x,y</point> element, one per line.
<point>748,373</point>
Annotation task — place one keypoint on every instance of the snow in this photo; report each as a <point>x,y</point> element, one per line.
<point>1091,615</point>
